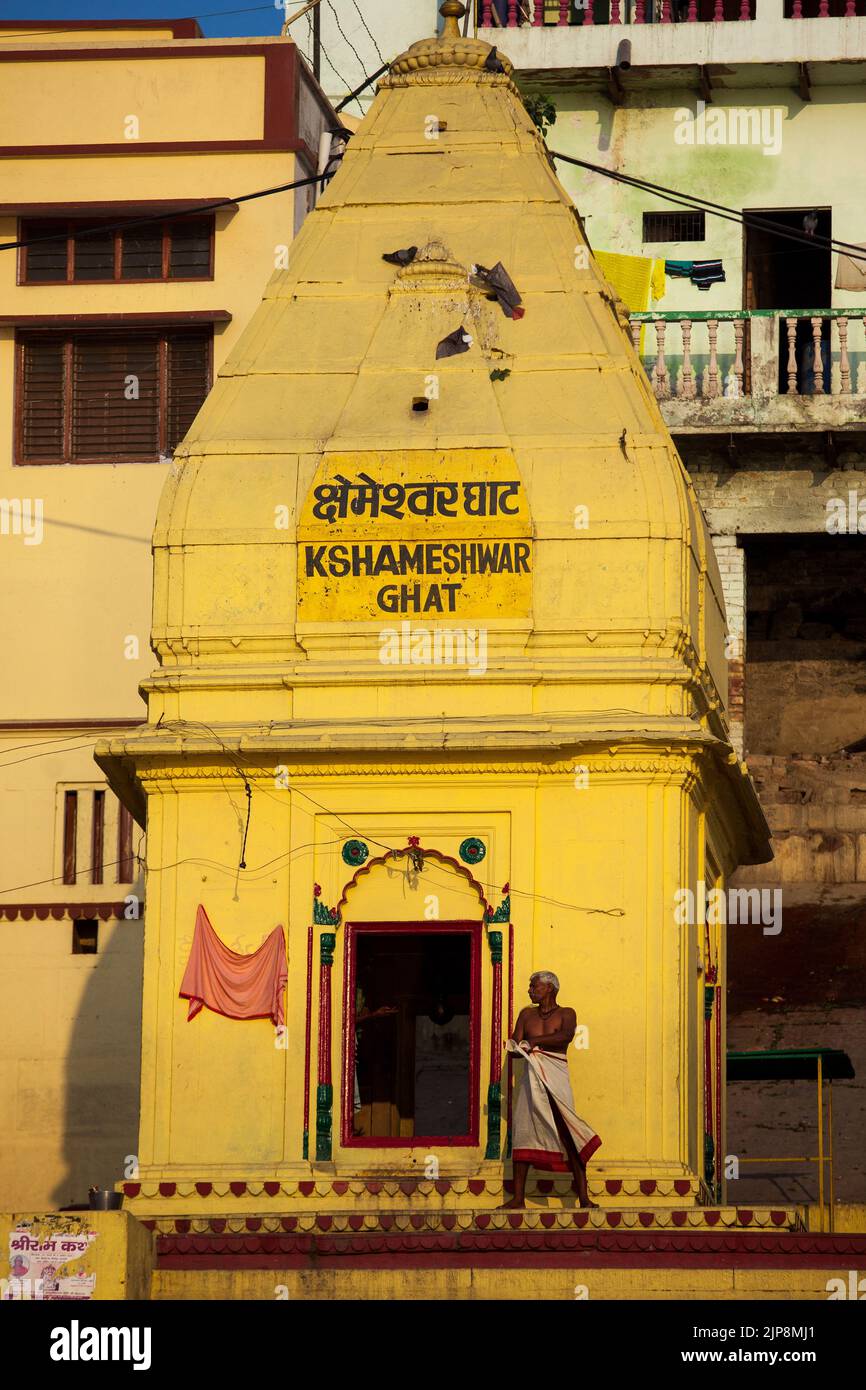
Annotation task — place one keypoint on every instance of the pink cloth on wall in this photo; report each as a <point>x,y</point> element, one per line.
<point>250,986</point>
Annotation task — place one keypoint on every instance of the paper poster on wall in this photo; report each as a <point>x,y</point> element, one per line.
<point>44,1264</point>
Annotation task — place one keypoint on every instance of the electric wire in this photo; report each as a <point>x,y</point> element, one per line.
<point>344,36</point>
<point>698,204</point>
<point>128,223</point>
<point>691,201</point>
<point>367,27</point>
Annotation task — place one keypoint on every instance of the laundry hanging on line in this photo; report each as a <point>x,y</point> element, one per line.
<point>851,271</point>
<point>701,273</point>
<point>236,986</point>
<point>634,278</point>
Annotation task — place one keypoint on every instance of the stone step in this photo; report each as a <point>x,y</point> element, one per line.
<point>685,1220</point>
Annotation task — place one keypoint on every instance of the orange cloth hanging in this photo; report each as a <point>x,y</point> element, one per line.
<point>250,986</point>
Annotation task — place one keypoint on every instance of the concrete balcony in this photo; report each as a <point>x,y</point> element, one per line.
<point>693,43</point>
<point>742,371</point>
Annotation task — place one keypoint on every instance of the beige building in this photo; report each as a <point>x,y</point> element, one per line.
<point>109,342</point>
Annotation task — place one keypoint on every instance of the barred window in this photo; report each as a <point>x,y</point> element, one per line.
<point>674,226</point>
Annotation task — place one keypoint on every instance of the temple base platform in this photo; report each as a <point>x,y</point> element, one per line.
<point>720,1253</point>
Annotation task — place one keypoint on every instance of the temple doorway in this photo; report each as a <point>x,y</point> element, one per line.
<point>412,1034</point>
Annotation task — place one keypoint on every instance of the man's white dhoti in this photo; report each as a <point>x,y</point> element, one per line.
<point>535,1138</point>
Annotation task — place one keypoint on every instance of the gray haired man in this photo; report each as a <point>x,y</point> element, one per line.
<point>547,1133</point>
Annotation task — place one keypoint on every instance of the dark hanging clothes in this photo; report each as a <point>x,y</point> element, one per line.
<point>701,273</point>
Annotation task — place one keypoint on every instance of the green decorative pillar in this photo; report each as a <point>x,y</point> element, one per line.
<point>325,1089</point>
<point>494,1089</point>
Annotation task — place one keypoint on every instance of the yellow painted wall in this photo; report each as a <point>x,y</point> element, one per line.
<point>610,656</point>
<point>198,109</point>
<point>75,620</point>
<point>120,1253</point>
<point>572,1285</point>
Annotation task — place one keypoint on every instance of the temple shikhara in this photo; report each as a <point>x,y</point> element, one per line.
<point>440,702</point>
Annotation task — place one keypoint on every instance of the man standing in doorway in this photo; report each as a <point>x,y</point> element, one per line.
<point>546,1132</point>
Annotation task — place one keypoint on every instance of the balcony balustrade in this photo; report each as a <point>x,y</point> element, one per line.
<point>518,14</point>
<point>737,369</point>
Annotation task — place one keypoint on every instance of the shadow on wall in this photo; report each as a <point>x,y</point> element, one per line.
<point>103,1063</point>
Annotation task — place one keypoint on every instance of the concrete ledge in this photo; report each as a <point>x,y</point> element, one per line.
<point>104,1255</point>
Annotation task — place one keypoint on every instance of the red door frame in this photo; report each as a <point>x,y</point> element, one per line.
<point>432,928</point>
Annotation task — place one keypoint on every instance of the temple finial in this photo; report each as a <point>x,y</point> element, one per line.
<point>452,11</point>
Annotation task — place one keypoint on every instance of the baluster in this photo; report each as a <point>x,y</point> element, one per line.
<point>636,327</point>
<point>712,389</point>
<point>719,11</point>
<point>687,378</point>
<point>564,7</point>
<point>615,12</point>
<point>666,11</point>
<point>662,377</point>
<point>824,10</point>
<point>486,16</point>
<point>692,16</point>
<point>844,365</point>
<point>850,9</point>
<point>792,356</point>
<point>512,14</point>
<point>538,15</point>
<point>589,17</point>
<point>745,10</point>
<point>797,12</point>
<point>739,327</point>
<point>818,370</point>
<point>640,12</point>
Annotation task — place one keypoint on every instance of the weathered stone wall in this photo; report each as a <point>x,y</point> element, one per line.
<point>803,682</point>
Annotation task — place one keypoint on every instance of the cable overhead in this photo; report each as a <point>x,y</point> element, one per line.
<point>367,27</point>
<point>363,87</point>
<point>671,195</point>
<point>161,216</point>
<point>344,36</point>
<point>698,204</point>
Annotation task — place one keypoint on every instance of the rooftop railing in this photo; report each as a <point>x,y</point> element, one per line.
<point>518,14</point>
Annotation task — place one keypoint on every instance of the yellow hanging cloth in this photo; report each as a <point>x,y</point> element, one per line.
<point>633,278</point>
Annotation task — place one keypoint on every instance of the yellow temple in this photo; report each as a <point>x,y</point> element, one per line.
<point>441,692</point>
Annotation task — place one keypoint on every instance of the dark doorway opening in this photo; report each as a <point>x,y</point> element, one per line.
<point>411,1055</point>
<point>783,275</point>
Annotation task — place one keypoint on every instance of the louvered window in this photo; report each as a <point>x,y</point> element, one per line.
<point>59,251</point>
<point>108,396</point>
<point>95,837</point>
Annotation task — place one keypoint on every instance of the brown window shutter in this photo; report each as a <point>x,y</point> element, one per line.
<point>190,256</point>
<point>44,261</point>
<point>97,837</point>
<point>188,374</point>
<point>94,256</point>
<point>125,862</point>
<point>70,831</point>
<point>142,253</point>
<point>42,398</point>
<point>115,396</point>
